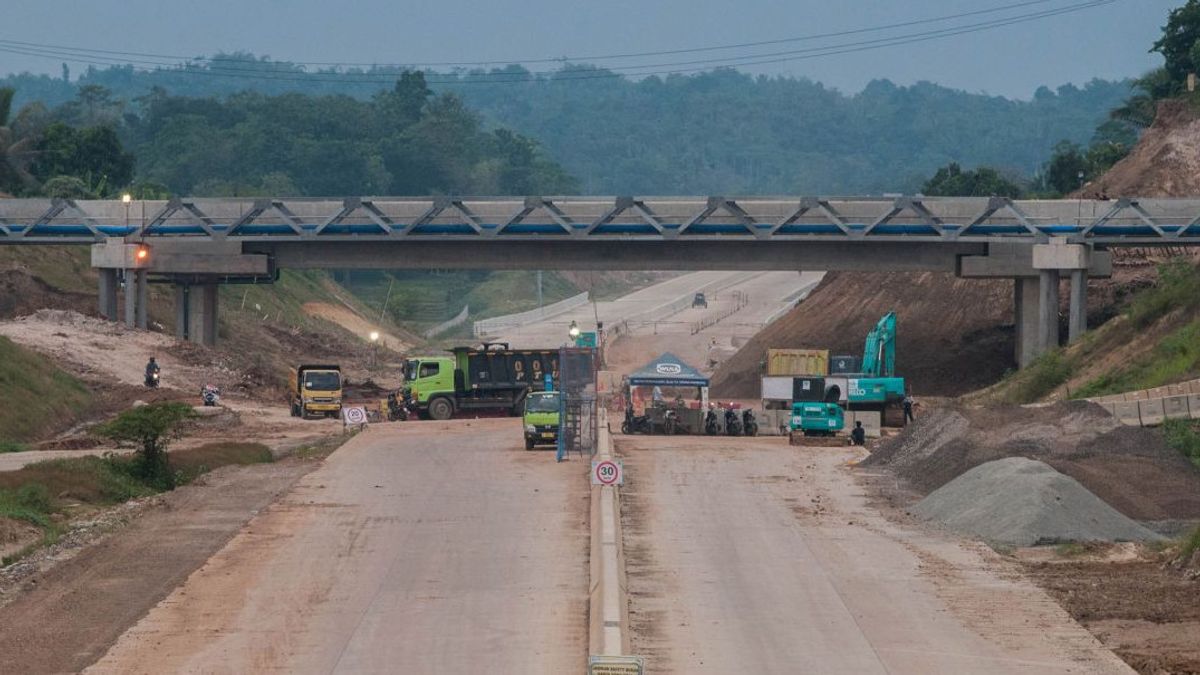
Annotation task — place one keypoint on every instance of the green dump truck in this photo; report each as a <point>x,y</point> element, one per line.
<point>491,377</point>
<point>541,418</point>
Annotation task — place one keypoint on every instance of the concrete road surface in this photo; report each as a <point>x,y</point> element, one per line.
<point>767,289</point>
<point>757,557</point>
<point>420,547</point>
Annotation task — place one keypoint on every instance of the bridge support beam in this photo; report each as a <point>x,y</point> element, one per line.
<point>1025,304</point>
<point>136,292</point>
<point>1047,311</point>
<point>196,312</point>
<point>110,283</point>
<point>1077,321</point>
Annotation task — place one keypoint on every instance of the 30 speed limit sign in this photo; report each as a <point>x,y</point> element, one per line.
<point>607,472</point>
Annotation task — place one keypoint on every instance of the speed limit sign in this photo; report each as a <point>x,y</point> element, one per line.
<point>354,416</point>
<point>607,472</point>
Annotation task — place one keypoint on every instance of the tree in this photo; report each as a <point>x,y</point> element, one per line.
<point>151,427</point>
<point>16,149</point>
<point>1067,169</point>
<point>93,154</point>
<point>1179,42</point>
<point>952,181</point>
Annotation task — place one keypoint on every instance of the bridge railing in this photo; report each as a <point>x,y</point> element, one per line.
<point>491,327</point>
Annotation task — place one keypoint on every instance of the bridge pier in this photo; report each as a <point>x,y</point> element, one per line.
<point>196,312</point>
<point>109,285</point>
<point>136,297</point>
<point>1036,271</point>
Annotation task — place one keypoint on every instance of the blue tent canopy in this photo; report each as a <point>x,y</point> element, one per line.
<point>668,370</point>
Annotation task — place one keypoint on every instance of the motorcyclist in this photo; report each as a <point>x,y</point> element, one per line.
<point>710,421</point>
<point>749,424</point>
<point>152,369</point>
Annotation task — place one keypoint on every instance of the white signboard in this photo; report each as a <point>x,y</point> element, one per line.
<point>607,472</point>
<point>354,416</point>
<point>616,665</point>
<point>777,388</point>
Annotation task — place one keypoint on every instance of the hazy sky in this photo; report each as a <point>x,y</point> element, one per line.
<point>1109,41</point>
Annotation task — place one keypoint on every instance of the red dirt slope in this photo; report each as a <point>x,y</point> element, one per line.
<point>953,335</point>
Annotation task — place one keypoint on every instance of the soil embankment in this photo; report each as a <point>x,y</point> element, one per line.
<point>953,335</point>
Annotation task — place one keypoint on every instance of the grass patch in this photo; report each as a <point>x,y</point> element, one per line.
<point>49,397</point>
<point>1178,287</point>
<point>1175,358</point>
<point>1048,372</point>
<point>1182,436</point>
<point>12,446</point>
<point>45,493</point>
<point>189,464</point>
<point>1191,544</point>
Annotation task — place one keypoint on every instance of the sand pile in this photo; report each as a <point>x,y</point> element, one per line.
<point>1024,502</point>
<point>1130,468</point>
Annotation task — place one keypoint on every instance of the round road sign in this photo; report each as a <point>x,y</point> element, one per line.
<point>355,416</point>
<point>608,472</point>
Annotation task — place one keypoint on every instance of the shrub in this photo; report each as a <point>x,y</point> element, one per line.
<point>151,427</point>
<point>1181,435</point>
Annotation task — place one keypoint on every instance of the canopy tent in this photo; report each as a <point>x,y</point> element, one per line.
<point>667,370</point>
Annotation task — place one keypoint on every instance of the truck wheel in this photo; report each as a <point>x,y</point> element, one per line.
<point>440,409</point>
<point>303,411</point>
<point>528,443</point>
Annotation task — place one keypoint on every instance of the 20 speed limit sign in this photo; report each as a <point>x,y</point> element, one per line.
<point>607,472</point>
<point>354,415</point>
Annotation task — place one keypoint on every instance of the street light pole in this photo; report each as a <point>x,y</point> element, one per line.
<point>374,349</point>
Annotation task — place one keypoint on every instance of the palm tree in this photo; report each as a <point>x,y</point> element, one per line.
<point>16,149</point>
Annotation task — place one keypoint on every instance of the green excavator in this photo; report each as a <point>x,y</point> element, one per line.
<point>876,387</point>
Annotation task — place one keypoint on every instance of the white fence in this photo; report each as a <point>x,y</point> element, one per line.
<point>458,320</point>
<point>488,327</point>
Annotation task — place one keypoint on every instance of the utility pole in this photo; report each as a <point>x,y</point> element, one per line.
<point>539,288</point>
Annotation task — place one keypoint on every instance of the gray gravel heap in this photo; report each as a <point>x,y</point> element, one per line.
<point>1024,502</point>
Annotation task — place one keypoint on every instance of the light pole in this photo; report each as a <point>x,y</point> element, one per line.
<point>573,331</point>
<point>374,348</point>
<point>126,199</point>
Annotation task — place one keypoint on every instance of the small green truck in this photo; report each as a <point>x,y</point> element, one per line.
<point>816,418</point>
<point>491,377</point>
<point>541,418</point>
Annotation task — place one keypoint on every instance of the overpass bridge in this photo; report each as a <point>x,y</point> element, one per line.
<point>197,244</point>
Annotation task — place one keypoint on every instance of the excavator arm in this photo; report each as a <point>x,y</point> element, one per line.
<point>879,351</point>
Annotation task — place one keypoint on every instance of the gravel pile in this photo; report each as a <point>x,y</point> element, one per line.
<point>1024,502</point>
<point>1130,468</point>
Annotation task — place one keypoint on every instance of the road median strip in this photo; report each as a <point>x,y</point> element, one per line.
<point>608,612</point>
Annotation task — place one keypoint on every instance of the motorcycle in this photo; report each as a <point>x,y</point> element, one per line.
<point>749,424</point>
<point>733,425</point>
<point>635,424</point>
<point>710,423</point>
<point>397,412</point>
<point>211,395</point>
<point>670,422</point>
<point>152,379</point>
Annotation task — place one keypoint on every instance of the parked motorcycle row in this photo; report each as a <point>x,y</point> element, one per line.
<point>666,421</point>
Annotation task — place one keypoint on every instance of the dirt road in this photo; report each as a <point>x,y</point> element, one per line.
<point>767,559</point>
<point>419,547</point>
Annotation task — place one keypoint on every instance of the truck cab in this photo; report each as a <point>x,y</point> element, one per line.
<point>817,418</point>
<point>315,390</point>
<point>541,418</point>
<point>428,379</point>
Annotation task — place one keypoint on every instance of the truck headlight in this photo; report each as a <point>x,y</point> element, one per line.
<point>530,429</point>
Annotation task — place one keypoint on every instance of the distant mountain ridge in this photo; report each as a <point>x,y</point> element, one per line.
<point>719,132</point>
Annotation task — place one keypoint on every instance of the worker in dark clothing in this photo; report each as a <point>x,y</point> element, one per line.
<point>908,405</point>
<point>858,435</point>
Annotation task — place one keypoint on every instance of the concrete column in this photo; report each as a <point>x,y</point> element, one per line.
<point>130,298</point>
<point>181,311</point>
<point>1047,310</point>
<point>143,300</point>
<point>108,293</point>
<point>202,314</point>
<point>1077,322</point>
<point>1025,301</point>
